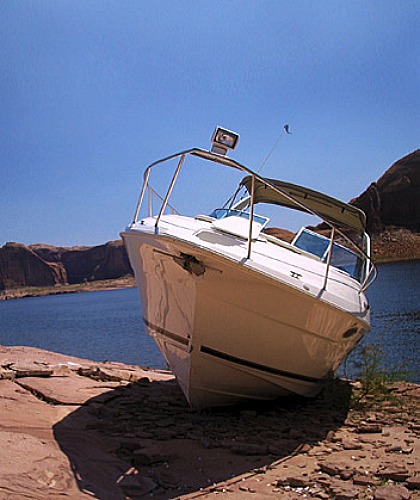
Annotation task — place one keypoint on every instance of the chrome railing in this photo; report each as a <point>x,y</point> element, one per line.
<point>370,270</point>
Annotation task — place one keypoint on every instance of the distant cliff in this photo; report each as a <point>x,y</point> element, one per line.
<point>46,265</point>
<point>21,266</point>
<point>394,200</point>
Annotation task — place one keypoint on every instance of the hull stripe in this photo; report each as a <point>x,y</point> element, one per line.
<point>257,366</point>
<point>166,333</point>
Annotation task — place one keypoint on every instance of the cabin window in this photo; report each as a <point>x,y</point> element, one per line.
<point>346,260</point>
<point>342,258</point>
<point>312,243</point>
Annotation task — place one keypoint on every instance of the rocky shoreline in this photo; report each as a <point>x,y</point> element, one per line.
<point>73,428</point>
<point>92,286</point>
<point>396,245</point>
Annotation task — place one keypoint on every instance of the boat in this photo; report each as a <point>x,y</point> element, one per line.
<point>238,312</point>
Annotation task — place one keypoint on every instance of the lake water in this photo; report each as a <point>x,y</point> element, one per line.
<point>395,301</point>
<point>108,324</point>
<point>93,325</point>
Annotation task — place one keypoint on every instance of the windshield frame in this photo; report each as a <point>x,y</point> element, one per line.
<point>323,255</point>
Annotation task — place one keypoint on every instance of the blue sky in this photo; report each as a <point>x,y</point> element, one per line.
<point>93,91</point>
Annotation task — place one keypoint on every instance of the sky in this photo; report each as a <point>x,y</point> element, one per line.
<point>91,92</point>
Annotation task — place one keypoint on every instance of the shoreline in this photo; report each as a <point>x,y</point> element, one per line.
<point>92,286</point>
<point>395,245</point>
<point>80,429</point>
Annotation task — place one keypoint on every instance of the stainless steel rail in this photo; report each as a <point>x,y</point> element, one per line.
<point>228,162</point>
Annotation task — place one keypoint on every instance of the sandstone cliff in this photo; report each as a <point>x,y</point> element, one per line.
<point>46,265</point>
<point>82,264</point>
<point>394,199</point>
<point>21,266</point>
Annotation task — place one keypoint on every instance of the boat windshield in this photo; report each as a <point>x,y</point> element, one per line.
<point>342,258</point>
<point>222,213</point>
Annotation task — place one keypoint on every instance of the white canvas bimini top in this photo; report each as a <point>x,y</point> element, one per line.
<point>301,198</point>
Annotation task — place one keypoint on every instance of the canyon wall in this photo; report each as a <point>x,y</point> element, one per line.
<point>46,265</point>
<point>393,200</point>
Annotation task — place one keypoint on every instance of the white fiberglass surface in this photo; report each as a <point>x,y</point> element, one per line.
<point>286,263</point>
<point>203,234</point>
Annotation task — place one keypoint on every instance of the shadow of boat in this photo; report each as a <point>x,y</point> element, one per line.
<point>143,440</point>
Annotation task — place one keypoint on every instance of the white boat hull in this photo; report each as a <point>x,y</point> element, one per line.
<point>234,332</point>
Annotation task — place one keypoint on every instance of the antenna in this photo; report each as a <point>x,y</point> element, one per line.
<point>286,130</point>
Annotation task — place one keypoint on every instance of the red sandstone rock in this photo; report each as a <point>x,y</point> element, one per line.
<point>20,266</point>
<point>45,265</point>
<point>367,428</point>
<point>395,472</point>
<point>366,480</point>
<point>393,199</point>
<point>392,492</point>
<point>332,468</point>
<point>281,234</point>
<point>413,483</point>
<point>300,481</point>
<point>344,491</point>
<point>106,438</point>
<point>30,370</point>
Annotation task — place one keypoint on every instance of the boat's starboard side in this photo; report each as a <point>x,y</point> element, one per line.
<point>230,330</point>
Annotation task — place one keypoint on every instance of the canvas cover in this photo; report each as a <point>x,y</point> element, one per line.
<point>330,209</point>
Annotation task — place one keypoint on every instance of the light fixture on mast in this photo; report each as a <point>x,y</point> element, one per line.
<point>223,140</point>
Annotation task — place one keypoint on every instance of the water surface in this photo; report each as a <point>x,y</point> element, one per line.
<point>395,301</point>
<point>94,325</point>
